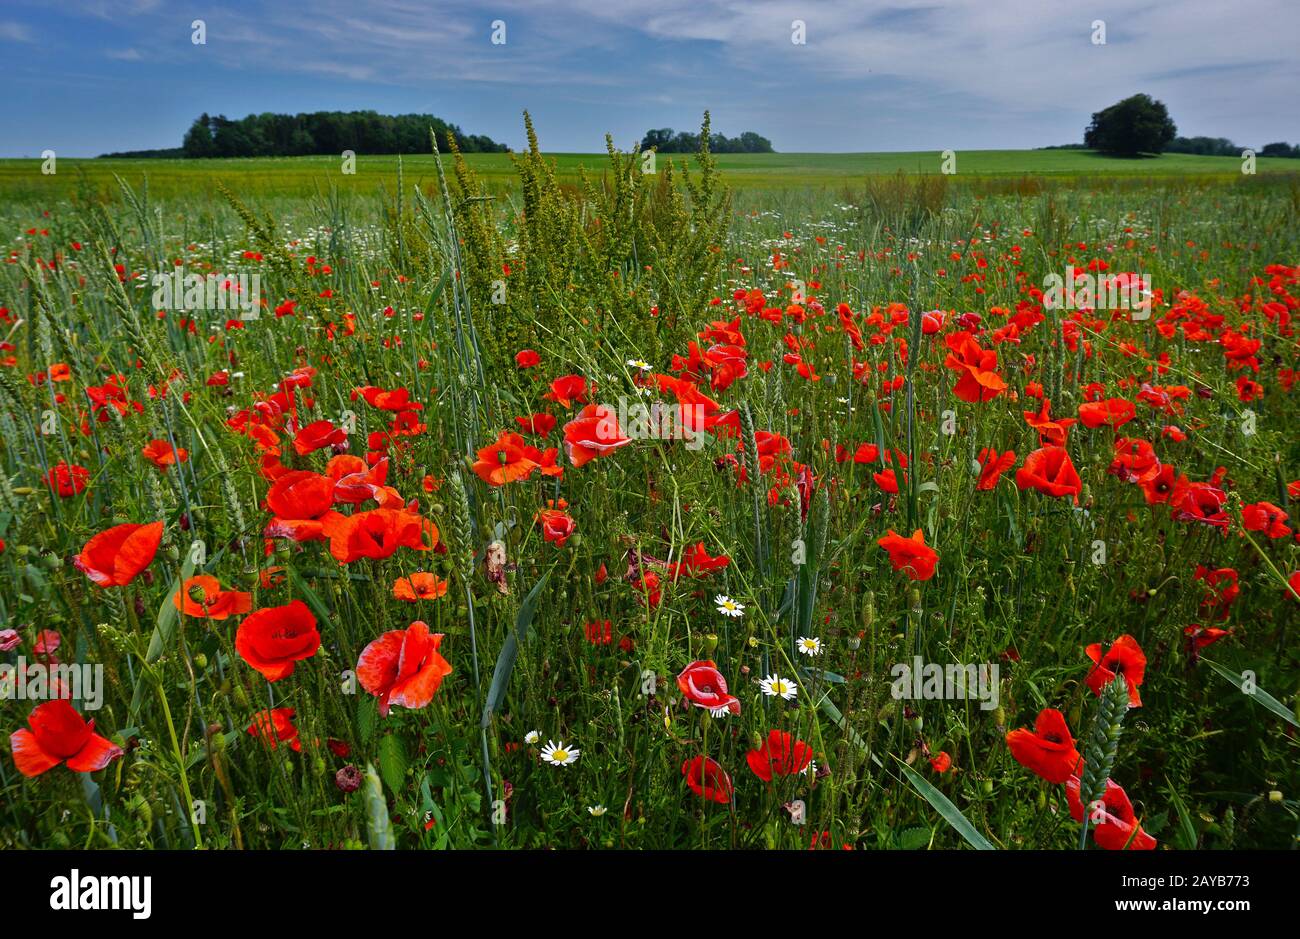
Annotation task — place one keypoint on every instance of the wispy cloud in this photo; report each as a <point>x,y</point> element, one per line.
<point>15,32</point>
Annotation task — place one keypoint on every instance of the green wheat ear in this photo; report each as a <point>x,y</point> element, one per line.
<point>1103,745</point>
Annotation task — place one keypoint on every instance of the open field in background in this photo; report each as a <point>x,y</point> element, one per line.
<point>872,355</point>
<point>307,176</point>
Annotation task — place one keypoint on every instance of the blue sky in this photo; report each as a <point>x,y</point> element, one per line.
<point>84,77</point>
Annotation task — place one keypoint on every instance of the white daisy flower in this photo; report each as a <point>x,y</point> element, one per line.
<point>809,646</point>
<point>728,606</point>
<point>532,736</point>
<point>719,712</point>
<point>596,810</point>
<point>775,686</point>
<point>559,754</point>
<point>642,364</point>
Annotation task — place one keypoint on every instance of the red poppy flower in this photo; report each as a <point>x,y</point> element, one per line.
<point>648,586</point>
<point>568,390</point>
<point>1265,517</point>
<point>1113,822</point>
<point>539,424</point>
<point>1135,460</point>
<point>162,454</point>
<point>599,632</point>
<point>114,557</point>
<point>912,555</point>
<point>1124,657</point>
<point>977,379</point>
<point>557,526</point>
<point>1048,750</point>
<point>272,639</point>
<point>1198,636</point>
<point>403,667</point>
<point>1200,502</point>
<point>697,562</point>
<point>67,480</point>
<point>1113,412</point>
<point>301,494</point>
<point>504,461</point>
<point>419,586</point>
<point>399,399</point>
<point>377,533</point>
<point>1051,433</point>
<point>527,358</point>
<point>595,432</point>
<point>992,466</point>
<point>318,434</point>
<point>941,763</point>
<point>203,597</point>
<point>1050,471</point>
<point>780,755</point>
<point>276,727</point>
<point>707,779</point>
<point>60,735</point>
<point>1159,488</point>
<point>703,685</point>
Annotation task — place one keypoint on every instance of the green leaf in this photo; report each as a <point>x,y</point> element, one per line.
<point>367,713</point>
<point>510,650</point>
<point>393,762</point>
<point>913,839</point>
<point>951,814</point>
<point>1185,836</point>
<point>1259,695</point>
<point>164,629</point>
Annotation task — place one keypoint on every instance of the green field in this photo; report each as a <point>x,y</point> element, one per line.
<point>21,179</point>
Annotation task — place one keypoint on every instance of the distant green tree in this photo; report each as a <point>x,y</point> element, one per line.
<point>198,140</point>
<point>325,132</point>
<point>1136,125</point>
<point>666,140</point>
<point>1280,150</point>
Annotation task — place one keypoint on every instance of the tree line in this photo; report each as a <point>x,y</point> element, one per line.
<point>1140,124</point>
<point>665,140</point>
<point>323,132</point>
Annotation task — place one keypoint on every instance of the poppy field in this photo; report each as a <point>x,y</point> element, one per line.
<point>635,512</point>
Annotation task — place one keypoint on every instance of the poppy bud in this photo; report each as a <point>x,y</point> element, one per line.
<point>1275,796</point>
<point>868,610</point>
<point>201,660</point>
<point>348,779</point>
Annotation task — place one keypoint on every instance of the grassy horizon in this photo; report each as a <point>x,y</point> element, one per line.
<point>21,178</point>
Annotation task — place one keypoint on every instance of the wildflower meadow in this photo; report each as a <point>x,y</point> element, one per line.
<point>631,510</point>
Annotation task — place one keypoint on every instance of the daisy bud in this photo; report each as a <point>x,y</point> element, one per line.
<point>1275,796</point>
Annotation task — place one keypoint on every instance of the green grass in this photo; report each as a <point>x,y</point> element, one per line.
<point>306,176</point>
